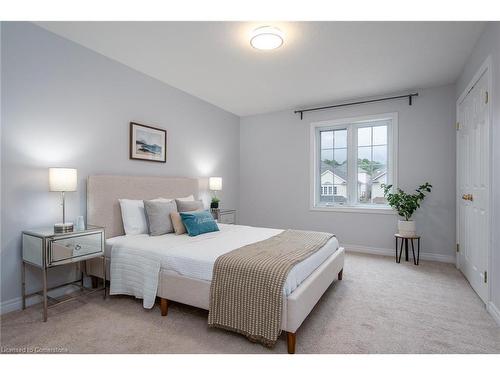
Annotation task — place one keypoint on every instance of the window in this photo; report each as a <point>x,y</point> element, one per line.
<point>328,190</point>
<point>351,159</point>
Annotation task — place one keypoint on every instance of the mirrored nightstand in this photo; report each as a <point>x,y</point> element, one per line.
<point>224,215</point>
<point>44,249</point>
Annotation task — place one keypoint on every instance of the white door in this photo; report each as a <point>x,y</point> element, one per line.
<point>473,185</point>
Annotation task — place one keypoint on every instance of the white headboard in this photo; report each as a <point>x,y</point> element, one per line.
<point>103,193</point>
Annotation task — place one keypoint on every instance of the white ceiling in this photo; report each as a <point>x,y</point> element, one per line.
<point>320,62</point>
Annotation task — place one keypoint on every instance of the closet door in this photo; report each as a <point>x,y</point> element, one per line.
<point>473,169</point>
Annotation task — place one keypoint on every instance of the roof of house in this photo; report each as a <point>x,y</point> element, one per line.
<point>341,171</point>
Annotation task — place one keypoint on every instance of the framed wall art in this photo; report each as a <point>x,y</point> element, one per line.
<point>148,143</point>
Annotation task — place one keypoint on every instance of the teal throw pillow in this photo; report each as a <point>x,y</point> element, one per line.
<point>198,222</point>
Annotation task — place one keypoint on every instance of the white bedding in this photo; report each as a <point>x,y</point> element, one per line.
<point>136,260</point>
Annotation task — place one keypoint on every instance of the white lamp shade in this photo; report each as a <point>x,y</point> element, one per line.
<point>62,179</point>
<point>215,183</point>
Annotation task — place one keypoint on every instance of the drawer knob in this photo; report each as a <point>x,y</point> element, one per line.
<point>78,247</point>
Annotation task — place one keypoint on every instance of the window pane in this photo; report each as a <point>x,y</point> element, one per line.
<point>379,178</point>
<point>327,155</point>
<point>364,174</point>
<point>379,174</point>
<point>380,135</point>
<point>372,168</point>
<point>326,166</point>
<point>364,189</point>
<point>326,139</point>
<point>326,184</point>
<point>333,168</point>
<point>365,136</point>
<point>340,193</point>
<point>379,156</point>
<point>340,176</point>
<point>365,152</point>
<point>340,138</point>
<point>340,156</point>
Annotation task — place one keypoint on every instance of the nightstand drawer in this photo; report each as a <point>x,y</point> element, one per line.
<point>228,218</point>
<point>65,249</point>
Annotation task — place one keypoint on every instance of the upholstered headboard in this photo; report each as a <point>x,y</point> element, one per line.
<point>103,193</point>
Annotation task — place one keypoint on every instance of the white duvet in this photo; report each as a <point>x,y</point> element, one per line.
<point>136,260</point>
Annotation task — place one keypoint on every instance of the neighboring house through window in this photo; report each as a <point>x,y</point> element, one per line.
<point>351,159</point>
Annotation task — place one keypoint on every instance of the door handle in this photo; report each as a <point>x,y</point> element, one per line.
<point>467,197</point>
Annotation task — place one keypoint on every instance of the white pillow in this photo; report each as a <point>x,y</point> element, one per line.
<point>163,199</point>
<point>133,216</point>
<point>189,198</point>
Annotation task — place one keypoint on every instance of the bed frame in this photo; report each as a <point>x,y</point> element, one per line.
<point>103,210</point>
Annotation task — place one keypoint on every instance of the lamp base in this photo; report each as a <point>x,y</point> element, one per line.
<point>63,227</point>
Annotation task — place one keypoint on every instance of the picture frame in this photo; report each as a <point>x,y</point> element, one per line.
<point>148,143</point>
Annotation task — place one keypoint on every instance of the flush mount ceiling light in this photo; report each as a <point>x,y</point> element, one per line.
<point>266,38</point>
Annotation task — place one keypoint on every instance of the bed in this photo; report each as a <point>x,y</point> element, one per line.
<point>185,273</point>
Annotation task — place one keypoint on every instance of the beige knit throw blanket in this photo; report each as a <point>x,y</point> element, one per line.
<point>246,295</point>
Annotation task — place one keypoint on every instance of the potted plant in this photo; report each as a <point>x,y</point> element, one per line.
<point>215,202</point>
<point>406,204</point>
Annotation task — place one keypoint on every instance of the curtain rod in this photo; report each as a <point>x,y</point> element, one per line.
<point>409,96</point>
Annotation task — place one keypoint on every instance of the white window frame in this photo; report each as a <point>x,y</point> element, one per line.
<point>352,123</point>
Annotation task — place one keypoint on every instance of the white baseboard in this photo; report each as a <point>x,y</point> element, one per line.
<point>392,253</point>
<point>494,311</point>
<point>15,304</point>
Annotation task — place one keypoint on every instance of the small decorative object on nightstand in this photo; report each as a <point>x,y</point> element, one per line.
<point>404,240</point>
<point>46,249</point>
<point>224,216</point>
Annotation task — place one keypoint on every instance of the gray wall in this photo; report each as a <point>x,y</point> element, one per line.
<point>489,45</point>
<point>274,175</point>
<point>64,105</point>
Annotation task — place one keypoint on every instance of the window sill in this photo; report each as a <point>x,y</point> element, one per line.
<point>384,210</point>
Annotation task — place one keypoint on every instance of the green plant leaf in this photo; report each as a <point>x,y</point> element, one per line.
<point>406,204</point>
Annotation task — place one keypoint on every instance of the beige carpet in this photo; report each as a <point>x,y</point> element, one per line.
<point>379,307</point>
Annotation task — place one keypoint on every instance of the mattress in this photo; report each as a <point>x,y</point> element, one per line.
<point>194,257</point>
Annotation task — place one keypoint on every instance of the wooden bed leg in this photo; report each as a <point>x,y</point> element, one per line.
<point>340,274</point>
<point>94,281</point>
<point>291,339</point>
<point>164,306</point>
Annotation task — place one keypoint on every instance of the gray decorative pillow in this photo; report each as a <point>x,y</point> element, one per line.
<point>158,216</point>
<point>186,206</point>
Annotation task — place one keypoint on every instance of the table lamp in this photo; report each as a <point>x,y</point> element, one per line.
<point>62,180</point>
<point>215,184</point>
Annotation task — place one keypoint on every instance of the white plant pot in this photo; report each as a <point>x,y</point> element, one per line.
<point>406,228</point>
